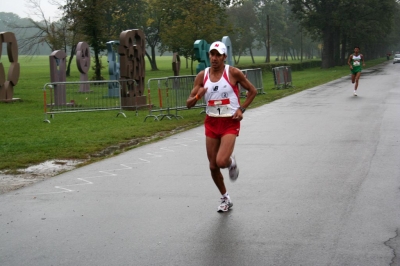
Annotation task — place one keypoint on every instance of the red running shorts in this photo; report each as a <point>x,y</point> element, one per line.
<point>216,127</point>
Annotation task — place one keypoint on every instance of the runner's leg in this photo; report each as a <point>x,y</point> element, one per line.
<point>225,150</point>
<point>357,76</point>
<point>212,146</point>
<point>218,153</point>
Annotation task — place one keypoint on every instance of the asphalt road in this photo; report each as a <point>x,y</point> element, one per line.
<point>319,184</point>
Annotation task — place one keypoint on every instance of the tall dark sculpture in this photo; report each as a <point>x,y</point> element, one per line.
<point>176,64</point>
<point>132,68</point>
<point>83,63</point>
<point>229,59</point>
<point>201,48</point>
<point>7,84</point>
<point>58,74</point>
<point>113,67</point>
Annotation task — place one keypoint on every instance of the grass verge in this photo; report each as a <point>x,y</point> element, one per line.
<point>26,140</point>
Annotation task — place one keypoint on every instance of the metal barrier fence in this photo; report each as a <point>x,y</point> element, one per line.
<point>282,77</point>
<point>166,96</point>
<point>170,93</point>
<point>255,77</point>
<point>82,96</point>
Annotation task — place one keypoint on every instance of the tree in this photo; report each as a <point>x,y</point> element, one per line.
<point>319,17</point>
<point>34,34</point>
<point>243,33</point>
<point>187,23</point>
<point>73,35</point>
<point>92,18</point>
<point>345,23</point>
<point>376,23</point>
<point>393,38</point>
<point>151,28</point>
<point>271,11</point>
<point>126,15</point>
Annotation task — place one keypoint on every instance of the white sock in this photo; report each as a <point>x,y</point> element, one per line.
<point>226,195</point>
<point>233,163</point>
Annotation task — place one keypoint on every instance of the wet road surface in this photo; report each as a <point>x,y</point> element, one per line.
<point>318,185</point>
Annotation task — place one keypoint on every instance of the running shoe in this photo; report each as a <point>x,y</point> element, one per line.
<point>355,93</point>
<point>234,170</point>
<point>225,205</point>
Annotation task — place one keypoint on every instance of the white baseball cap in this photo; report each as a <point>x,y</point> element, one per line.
<point>219,46</point>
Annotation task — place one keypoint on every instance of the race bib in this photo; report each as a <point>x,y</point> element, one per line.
<point>219,108</point>
<point>356,63</point>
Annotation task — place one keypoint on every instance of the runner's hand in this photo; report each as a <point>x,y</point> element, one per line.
<point>238,115</point>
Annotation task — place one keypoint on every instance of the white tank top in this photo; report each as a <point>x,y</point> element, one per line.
<point>222,97</point>
<point>356,60</point>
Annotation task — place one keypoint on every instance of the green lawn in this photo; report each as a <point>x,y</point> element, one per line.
<point>27,140</point>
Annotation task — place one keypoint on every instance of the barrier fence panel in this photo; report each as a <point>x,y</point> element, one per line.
<point>288,77</point>
<point>255,77</point>
<point>278,77</point>
<point>282,77</point>
<point>168,95</point>
<point>67,97</point>
<point>157,93</point>
<point>181,88</point>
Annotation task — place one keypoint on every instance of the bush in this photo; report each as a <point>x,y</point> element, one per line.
<point>295,66</point>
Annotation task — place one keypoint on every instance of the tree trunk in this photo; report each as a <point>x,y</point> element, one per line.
<point>343,50</point>
<point>251,54</point>
<point>97,69</point>
<point>238,59</point>
<point>291,55</point>
<point>268,41</point>
<point>266,56</point>
<point>327,49</point>
<point>301,45</point>
<point>191,64</point>
<point>153,62</point>
<point>336,46</point>
<point>73,51</point>
<point>152,59</point>
<point>153,56</point>
<point>149,58</point>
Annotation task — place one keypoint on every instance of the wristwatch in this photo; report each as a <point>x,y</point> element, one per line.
<point>242,109</point>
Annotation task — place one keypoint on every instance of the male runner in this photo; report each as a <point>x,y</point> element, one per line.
<point>219,85</point>
<point>354,62</point>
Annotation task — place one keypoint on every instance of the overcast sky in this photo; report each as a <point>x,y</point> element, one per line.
<point>21,8</point>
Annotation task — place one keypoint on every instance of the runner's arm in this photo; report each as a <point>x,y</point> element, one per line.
<point>349,61</point>
<point>246,84</point>
<point>362,58</point>
<point>197,92</point>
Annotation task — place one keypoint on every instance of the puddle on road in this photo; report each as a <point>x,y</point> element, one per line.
<point>52,166</point>
<point>35,173</point>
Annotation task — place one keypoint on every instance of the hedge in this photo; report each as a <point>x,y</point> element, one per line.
<point>295,66</point>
